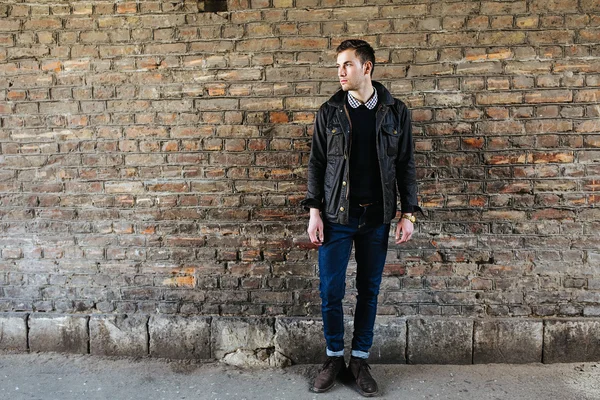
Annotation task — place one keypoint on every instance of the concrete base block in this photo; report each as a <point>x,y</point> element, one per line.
<point>60,333</point>
<point>13,332</point>
<point>301,340</point>
<point>571,341</point>
<point>179,337</point>
<point>277,342</point>
<point>389,341</point>
<point>246,342</point>
<point>508,341</point>
<point>440,341</point>
<point>119,335</point>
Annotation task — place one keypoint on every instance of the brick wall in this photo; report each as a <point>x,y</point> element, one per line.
<point>153,157</point>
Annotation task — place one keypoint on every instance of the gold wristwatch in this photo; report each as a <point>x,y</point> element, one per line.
<point>411,218</point>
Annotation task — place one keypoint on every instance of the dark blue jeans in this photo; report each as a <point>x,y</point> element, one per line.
<point>371,242</point>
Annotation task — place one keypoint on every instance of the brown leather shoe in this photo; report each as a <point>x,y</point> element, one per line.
<point>365,383</point>
<point>330,370</point>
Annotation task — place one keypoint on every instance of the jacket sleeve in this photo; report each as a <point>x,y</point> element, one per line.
<point>406,174</point>
<point>317,163</point>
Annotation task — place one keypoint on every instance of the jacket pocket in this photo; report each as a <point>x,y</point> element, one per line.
<point>335,141</point>
<point>391,137</point>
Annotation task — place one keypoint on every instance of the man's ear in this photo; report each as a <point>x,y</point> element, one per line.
<point>368,66</point>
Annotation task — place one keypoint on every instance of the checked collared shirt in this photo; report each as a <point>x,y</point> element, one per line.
<point>370,104</point>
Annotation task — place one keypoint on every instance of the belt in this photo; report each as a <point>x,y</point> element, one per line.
<point>365,204</point>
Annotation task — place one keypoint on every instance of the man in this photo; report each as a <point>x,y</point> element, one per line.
<point>361,152</point>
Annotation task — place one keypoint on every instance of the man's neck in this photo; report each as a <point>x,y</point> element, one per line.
<point>363,94</point>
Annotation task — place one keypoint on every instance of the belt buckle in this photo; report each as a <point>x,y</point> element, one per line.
<point>366,204</point>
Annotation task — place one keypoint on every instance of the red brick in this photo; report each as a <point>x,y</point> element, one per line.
<point>587,96</point>
<point>499,98</point>
<point>126,8</point>
<point>479,68</point>
<point>507,158</point>
<point>528,67</point>
<point>554,6</point>
<point>591,126</point>
<point>166,48</point>
<point>455,8</point>
<point>278,117</point>
<point>561,37</point>
<point>590,5</point>
<point>394,270</point>
<point>589,36</point>
<point>502,38</point>
<point>303,103</point>
<point>94,37</point>
<point>116,51</point>
<point>473,143</point>
<point>548,125</point>
<point>403,40</point>
<point>257,45</point>
<point>355,13</point>
<point>551,213</point>
<point>549,96</point>
<point>565,157</point>
<point>34,24</point>
<point>453,39</point>
<point>527,22</point>
<point>304,43</point>
<point>428,70</point>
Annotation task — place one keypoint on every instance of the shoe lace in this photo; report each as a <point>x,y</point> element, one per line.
<point>329,363</point>
<point>363,367</point>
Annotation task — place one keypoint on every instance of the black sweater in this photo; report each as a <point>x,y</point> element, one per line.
<point>365,178</point>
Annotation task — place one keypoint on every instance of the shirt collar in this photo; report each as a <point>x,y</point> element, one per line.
<point>370,104</point>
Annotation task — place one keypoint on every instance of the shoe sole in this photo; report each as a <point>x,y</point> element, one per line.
<point>317,390</point>
<point>340,376</point>
<point>365,394</point>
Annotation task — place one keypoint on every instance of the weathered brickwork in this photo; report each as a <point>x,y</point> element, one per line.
<point>152,158</point>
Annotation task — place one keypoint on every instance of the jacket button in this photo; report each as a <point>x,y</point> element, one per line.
<point>342,208</point>
<point>345,157</point>
<point>395,132</point>
<point>344,183</point>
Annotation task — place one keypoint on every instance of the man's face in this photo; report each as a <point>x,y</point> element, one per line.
<point>351,72</point>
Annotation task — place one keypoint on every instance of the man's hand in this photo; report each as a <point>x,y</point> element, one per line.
<point>404,230</point>
<point>315,227</point>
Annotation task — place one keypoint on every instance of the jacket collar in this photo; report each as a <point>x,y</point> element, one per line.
<point>385,97</point>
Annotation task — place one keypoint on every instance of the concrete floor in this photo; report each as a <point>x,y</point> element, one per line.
<point>70,377</point>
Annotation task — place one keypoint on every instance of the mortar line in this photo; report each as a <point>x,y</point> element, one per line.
<point>406,342</point>
<point>210,343</point>
<point>27,331</point>
<point>543,339</point>
<point>472,342</point>
<point>148,335</point>
<point>89,338</point>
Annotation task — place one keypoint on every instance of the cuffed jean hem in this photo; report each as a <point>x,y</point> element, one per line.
<point>335,353</point>
<point>360,354</point>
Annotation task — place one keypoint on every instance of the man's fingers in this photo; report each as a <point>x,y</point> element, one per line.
<point>316,236</point>
<point>405,236</point>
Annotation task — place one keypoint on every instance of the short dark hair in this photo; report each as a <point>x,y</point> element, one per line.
<point>362,49</point>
